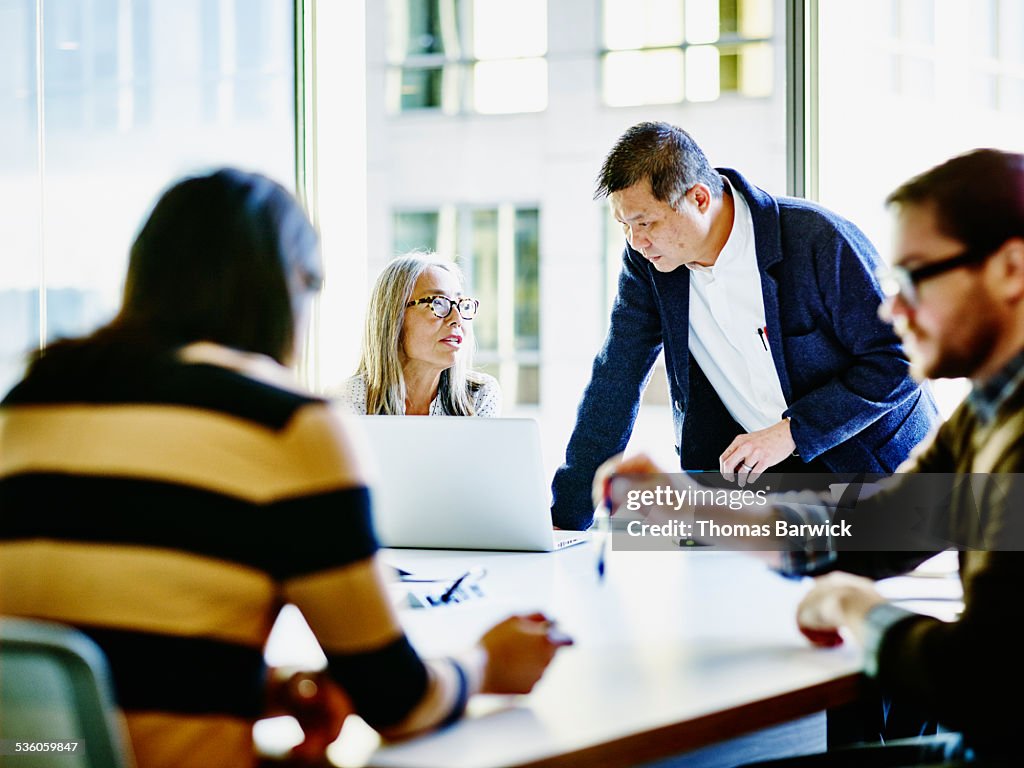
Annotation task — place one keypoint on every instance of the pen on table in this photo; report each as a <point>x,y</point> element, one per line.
<point>447,596</point>
<point>472,576</point>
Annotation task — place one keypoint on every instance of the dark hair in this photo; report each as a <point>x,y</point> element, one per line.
<point>665,155</point>
<point>222,258</point>
<point>978,197</point>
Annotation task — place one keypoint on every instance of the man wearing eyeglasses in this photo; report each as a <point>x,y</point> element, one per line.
<point>956,296</point>
<point>946,269</point>
<point>766,309</point>
<point>957,300</point>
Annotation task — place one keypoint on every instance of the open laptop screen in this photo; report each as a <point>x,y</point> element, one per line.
<point>456,482</point>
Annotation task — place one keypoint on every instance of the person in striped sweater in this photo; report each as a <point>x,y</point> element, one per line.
<point>166,486</point>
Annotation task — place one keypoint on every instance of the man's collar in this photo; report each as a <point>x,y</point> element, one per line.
<point>738,231</point>
<point>988,398</point>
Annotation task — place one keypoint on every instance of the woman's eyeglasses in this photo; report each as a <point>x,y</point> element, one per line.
<point>441,306</point>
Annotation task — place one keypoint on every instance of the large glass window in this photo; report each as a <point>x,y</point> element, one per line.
<point>498,249</point>
<point>482,56</point>
<point>123,96</point>
<point>904,85</point>
<point>665,51</point>
<point>997,56</point>
<point>445,166</point>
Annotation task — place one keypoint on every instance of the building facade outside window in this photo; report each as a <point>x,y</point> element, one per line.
<point>667,51</point>
<point>997,52</point>
<point>484,56</point>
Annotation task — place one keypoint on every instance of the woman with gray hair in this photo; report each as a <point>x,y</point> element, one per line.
<point>417,346</point>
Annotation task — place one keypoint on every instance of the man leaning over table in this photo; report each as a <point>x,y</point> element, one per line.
<point>957,299</point>
<point>766,309</point>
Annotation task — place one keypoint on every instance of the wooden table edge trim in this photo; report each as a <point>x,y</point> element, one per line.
<point>710,729</point>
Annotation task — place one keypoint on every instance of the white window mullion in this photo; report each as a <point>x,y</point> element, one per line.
<point>125,67</point>
<point>507,302</point>
<point>448,235</point>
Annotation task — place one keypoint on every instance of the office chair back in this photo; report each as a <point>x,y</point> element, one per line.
<point>55,687</point>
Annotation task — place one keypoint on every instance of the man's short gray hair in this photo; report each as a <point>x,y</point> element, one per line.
<point>663,154</point>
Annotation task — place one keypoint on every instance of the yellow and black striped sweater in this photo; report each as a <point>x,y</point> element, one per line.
<point>169,512</point>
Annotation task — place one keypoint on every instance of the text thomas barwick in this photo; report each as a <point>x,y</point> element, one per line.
<point>711,529</point>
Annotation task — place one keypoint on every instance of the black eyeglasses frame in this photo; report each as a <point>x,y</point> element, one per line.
<point>452,304</point>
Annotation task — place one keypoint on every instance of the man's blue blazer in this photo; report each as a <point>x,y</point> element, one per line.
<point>852,403</point>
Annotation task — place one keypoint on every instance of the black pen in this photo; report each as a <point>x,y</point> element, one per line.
<point>447,596</point>
<point>763,334</point>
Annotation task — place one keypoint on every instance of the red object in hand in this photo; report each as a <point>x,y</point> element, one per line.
<point>826,638</point>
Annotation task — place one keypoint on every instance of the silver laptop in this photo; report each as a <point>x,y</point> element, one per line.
<point>456,482</point>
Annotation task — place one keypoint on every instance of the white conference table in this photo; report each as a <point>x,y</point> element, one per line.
<point>674,651</point>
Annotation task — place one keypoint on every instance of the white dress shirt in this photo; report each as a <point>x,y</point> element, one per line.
<point>728,337</point>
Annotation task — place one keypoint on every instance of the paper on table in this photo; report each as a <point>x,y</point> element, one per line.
<point>428,588</point>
